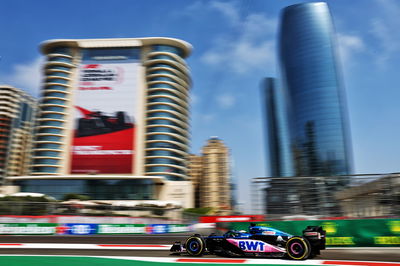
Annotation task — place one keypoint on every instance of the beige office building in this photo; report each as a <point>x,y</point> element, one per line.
<point>17,110</point>
<point>211,177</point>
<point>113,121</point>
<point>195,173</point>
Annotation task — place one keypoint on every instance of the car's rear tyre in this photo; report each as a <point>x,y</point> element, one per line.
<point>298,248</point>
<point>195,245</point>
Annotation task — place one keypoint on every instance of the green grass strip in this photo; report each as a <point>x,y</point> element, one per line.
<point>91,261</point>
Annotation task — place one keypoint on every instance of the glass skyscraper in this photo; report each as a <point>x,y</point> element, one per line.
<point>280,156</point>
<point>314,91</point>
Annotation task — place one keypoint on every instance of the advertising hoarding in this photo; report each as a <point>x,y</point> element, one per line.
<point>105,101</point>
<point>27,229</point>
<point>232,218</point>
<point>157,229</point>
<point>179,228</point>
<point>77,229</point>
<point>112,229</point>
<point>90,229</point>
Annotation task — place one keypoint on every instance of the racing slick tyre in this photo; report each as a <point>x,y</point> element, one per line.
<point>298,248</point>
<point>195,245</point>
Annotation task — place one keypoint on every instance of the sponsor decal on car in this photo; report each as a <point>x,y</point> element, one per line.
<point>254,246</point>
<point>269,233</point>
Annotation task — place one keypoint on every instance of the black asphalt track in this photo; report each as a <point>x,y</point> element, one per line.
<point>364,254</point>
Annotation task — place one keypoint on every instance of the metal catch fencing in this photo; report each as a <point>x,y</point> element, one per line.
<point>85,208</point>
<point>352,196</point>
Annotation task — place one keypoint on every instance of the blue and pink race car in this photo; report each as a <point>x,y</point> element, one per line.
<point>260,241</point>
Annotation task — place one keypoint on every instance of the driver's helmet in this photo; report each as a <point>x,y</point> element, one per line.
<point>232,234</point>
<point>256,229</point>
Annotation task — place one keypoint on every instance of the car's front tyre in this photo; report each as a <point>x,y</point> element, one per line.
<point>195,245</point>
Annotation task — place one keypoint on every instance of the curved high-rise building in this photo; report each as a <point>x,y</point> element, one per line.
<point>113,120</point>
<point>310,74</point>
<point>280,155</point>
<point>167,111</point>
<point>114,106</point>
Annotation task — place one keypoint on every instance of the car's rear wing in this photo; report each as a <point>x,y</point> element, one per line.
<point>316,235</point>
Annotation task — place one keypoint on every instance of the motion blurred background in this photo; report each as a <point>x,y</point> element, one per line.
<point>147,117</point>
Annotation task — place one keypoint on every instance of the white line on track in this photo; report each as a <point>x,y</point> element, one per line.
<point>83,246</point>
<point>363,248</point>
<point>225,260</point>
<point>235,261</point>
<point>143,246</point>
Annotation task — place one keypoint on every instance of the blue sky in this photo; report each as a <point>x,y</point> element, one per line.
<point>234,48</point>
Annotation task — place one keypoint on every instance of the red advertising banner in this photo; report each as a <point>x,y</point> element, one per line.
<point>232,218</point>
<point>104,130</point>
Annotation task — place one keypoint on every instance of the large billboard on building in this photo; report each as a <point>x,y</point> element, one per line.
<point>106,100</point>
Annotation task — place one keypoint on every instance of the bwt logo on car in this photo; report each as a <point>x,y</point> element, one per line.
<point>249,245</point>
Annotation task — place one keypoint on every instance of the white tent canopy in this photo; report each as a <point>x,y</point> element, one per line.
<point>80,202</point>
<point>30,194</point>
<point>152,203</point>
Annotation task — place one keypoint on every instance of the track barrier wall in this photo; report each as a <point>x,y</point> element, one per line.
<point>63,219</point>
<point>339,233</point>
<point>90,229</point>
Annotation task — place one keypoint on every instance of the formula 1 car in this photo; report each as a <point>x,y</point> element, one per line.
<point>97,123</point>
<point>258,242</point>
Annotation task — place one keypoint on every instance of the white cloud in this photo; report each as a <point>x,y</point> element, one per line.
<point>229,10</point>
<point>390,7</point>
<point>190,9</point>
<point>385,30</point>
<point>388,42</point>
<point>226,101</point>
<point>348,46</point>
<point>251,48</point>
<point>257,25</point>
<point>26,76</point>
<point>212,58</point>
<point>207,118</point>
<point>194,99</point>
<point>241,56</point>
